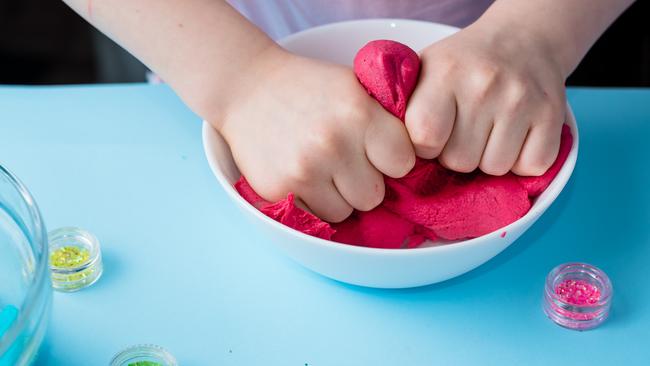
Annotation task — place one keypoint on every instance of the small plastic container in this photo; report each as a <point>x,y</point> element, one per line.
<point>75,259</point>
<point>144,355</point>
<point>577,296</point>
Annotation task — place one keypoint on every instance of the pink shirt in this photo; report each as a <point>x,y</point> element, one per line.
<point>279,18</point>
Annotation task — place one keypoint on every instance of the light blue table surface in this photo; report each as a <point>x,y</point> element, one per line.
<point>183,269</point>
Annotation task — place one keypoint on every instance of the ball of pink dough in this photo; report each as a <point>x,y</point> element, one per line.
<point>389,71</point>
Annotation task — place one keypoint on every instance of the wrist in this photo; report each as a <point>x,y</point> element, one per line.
<point>211,96</point>
<point>524,37</point>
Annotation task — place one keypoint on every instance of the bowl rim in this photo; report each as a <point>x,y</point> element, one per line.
<point>554,188</point>
<point>392,22</point>
<point>41,273</point>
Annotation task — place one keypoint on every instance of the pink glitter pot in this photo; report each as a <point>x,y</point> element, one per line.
<point>577,296</point>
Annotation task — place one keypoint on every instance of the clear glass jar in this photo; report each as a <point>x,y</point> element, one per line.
<point>72,274</point>
<point>145,355</point>
<point>25,291</point>
<point>577,315</point>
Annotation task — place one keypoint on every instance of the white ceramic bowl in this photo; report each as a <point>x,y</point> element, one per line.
<point>385,268</point>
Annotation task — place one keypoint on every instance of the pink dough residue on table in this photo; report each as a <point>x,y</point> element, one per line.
<point>430,202</point>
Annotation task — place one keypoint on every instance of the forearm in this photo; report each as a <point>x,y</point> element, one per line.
<point>200,47</point>
<point>568,27</point>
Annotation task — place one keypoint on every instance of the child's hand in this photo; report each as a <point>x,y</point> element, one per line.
<point>308,127</point>
<point>488,98</point>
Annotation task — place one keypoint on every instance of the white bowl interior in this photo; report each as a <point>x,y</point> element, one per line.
<point>339,42</point>
<point>387,268</point>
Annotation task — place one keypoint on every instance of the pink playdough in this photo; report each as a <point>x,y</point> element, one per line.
<point>389,71</point>
<point>430,202</point>
<point>286,212</point>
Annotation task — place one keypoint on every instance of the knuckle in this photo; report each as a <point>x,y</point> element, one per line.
<point>487,70</point>
<point>275,190</point>
<point>549,119</point>
<point>492,168</point>
<point>484,77</point>
<point>553,114</point>
<point>537,165</point>
<point>458,162</point>
<point>351,110</point>
<point>427,131</point>
<point>553,105</point>
<point>337,215</point>
<point>373,199</point>
<point>301,170</point>
<point>519,87</point>
<point>404,163</point>
<point>325,140</point>
<point>517,94</point>
<point>552,117</point>
<point>481,92</point>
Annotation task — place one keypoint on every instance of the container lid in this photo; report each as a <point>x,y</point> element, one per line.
<point>144,355</point>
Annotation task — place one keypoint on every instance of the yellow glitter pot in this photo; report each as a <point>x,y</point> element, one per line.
<point>75,259</point>
<point>144,355</point>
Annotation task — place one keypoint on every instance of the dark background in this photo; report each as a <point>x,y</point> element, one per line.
<point>44,42</point>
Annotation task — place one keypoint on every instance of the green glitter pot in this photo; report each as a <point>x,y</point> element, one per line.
<point>75,259</point>
<point>144,355</point>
